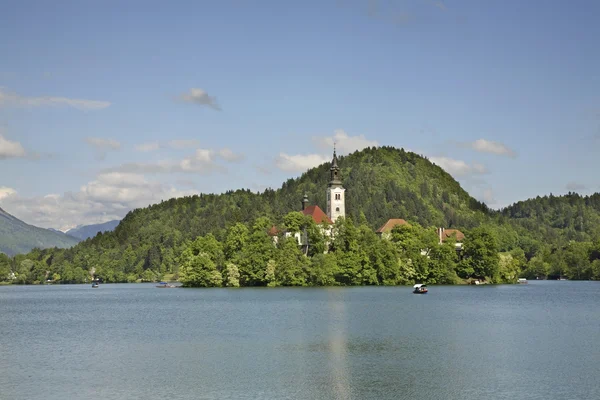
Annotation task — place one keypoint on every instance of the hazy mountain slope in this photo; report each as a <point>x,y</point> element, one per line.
<point>18,237</point>
<point>87,231</point>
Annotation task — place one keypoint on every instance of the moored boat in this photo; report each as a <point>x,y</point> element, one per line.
<point>420,288</point>
<point>165,285</point>
<point>522,280</point>
<point>95,284</point>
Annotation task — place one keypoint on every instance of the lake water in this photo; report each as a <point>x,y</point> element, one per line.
<point>535,341</point>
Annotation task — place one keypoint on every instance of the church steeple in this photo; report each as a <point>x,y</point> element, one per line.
<point>336,204</point>
<point>334,171</point>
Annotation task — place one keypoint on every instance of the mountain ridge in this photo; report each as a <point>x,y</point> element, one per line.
<point>17,237</point>
<point>84,232</point>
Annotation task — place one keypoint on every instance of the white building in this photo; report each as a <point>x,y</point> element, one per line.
<point>336,202</point>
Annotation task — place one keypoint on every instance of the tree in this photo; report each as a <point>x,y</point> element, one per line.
<point>290,264</point>
<point>481,253</point>
<point>537,267</point>
<point>231,275</point>
<point>4,267</point>
<point>237,237</point>
<point>294,221</point>
<point>323,270</point>
<point>258,250</point>
<point>442,263</point>
<point>199,270</point>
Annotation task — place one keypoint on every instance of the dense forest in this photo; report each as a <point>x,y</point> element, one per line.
<point>216,240</point>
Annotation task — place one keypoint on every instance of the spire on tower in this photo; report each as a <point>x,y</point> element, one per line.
<point>334,160</point>
<point>334,170</point>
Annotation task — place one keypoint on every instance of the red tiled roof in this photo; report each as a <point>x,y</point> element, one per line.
<point>273,231</point>
<point>391,224</point>
<point>449,232</point>
<point>317,214</point>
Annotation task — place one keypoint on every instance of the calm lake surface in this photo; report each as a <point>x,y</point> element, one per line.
<point>535,341</point>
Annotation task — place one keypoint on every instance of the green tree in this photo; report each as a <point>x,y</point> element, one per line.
<point>290,264</point>
<point>481,253</point>
<point>323,270</point>
<point>294,221</point>
<point>258,250</point>
<point>237,237</point>
<point>198,270</point>
<point>231,275</point>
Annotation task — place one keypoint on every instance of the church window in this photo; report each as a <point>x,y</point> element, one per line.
<point>338,196</point>
<point>337,209</point>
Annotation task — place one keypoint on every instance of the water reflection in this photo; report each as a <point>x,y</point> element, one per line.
<point>337,344</point>
<point>464,343</point>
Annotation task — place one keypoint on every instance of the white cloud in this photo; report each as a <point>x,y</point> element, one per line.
<point>146,147</point>
<point>6,191</point>
<point>344,143</point>
<point>201,162</point>
<point>103,144</point>
<point>299,162</point>
<point>228,155</point>
<point>10,149</point>
<point>183,143</point>
<point>41,101</point>
<point>109,196</point>
<point>488,146</point>
<point>163,166</point>
<point>458,168</point>
<point>199,96</point>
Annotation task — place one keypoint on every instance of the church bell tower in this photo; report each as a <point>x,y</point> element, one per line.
<point>336,203</point>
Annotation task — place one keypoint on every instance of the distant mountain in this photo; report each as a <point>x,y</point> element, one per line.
<point>84,232</point>
<point>18,237</point>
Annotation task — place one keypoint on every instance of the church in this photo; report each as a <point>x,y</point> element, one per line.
<point>336,206</point>
<point>336,203</point>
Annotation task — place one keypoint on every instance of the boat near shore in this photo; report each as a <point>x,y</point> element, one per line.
<point>522,281</point>
<point>165,285</point>
<point>420,288</point>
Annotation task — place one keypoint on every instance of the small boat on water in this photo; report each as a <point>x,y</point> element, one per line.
<point>420,288</point>
<point>165,285</point>
<point>95,284</point>
<point>522,280</point>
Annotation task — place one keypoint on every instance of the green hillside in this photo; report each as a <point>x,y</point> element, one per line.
<point>558,219</point>
<point>211,238</point>
<point>18,237</point>
<point>381,182</point>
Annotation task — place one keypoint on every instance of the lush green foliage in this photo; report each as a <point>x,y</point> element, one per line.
<point>222,240</point>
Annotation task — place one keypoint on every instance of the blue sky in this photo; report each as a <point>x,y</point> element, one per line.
<point>106,106</point>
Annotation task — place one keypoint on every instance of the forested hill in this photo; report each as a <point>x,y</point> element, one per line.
<point>558,219</point>
<point>543,237</point>
<point>380,182</point>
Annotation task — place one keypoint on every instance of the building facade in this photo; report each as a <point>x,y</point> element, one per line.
<point>336,202</point>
